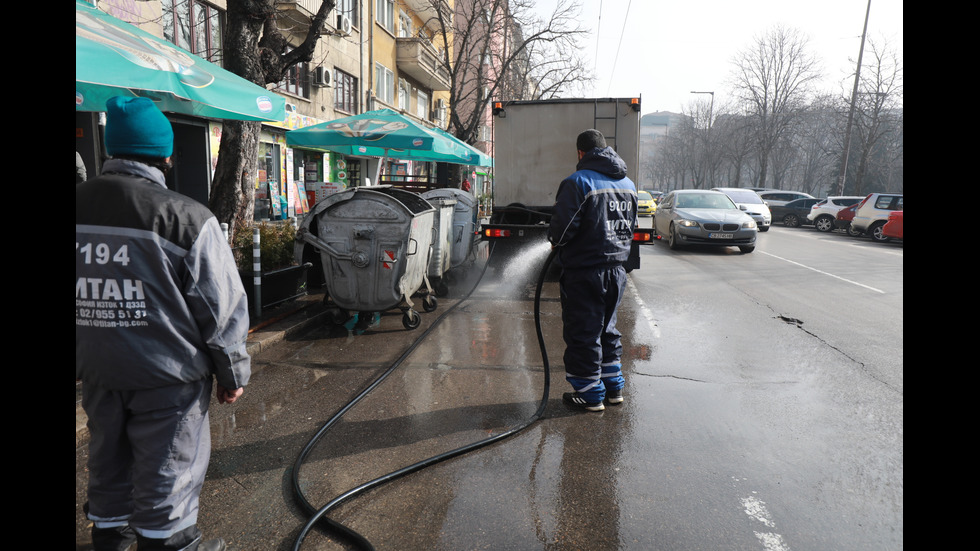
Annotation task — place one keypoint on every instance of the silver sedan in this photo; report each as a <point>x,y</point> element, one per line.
<point>702,217</point>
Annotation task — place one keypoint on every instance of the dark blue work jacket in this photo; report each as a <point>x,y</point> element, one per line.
<point>595,212</point>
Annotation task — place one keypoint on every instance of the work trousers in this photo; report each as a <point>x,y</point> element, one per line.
<point>148,456</point>
<point>593,349</point>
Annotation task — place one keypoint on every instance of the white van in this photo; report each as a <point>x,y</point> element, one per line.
<point>750,203</point>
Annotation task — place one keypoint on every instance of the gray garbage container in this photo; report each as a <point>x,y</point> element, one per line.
<point>464,222</point>
<point>374,245</point>
<point>442,242</point>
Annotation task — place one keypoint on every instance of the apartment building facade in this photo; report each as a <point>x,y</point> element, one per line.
<point>372,54</point>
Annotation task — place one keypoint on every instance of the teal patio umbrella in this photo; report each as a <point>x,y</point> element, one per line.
<point>381,133</point>
<point>115,58</point>
<point>478,158</point>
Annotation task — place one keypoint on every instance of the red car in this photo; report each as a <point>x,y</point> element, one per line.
<point>843,220</point>
<point>895,227</point>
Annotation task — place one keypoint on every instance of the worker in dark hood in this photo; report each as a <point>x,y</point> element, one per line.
<point>592,227</point>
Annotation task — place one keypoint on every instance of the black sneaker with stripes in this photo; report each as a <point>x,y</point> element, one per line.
<point>575,399</point>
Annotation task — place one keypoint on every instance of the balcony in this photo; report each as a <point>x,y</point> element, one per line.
<point>417,58</point>
<point>429,10</point>
<point>295,16</point>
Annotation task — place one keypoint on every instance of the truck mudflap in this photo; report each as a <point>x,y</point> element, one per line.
<point>639,237</point>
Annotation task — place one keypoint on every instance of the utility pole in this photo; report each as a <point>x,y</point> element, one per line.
<point>850,114</point>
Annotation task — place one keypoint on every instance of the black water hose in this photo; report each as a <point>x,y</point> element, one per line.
<point>349,533</point>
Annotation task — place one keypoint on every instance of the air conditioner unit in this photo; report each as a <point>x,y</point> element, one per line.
<point>344,24</point>
<point>322,77</point>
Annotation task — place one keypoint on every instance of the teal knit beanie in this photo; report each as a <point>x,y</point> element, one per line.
<point>134,126</point>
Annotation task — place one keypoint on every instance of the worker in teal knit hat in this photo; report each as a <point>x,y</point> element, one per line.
<point>134,126</point>
<point>161,322</point>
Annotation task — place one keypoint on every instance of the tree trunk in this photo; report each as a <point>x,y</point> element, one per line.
<point>233,188</point>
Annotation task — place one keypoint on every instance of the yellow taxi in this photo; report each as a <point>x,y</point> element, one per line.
<point>646,206</point>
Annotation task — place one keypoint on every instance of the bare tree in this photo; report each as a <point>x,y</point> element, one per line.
<point>734,135</point>
<point>256,50</point>
<point>816,149</point>
<point>773,78</point>
<point>877,119</point>
<point>699,155</point>
<point>501,48</point>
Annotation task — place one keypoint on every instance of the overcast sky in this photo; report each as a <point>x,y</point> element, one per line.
<point>663,50</point>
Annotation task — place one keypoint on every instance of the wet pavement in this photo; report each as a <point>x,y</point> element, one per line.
<point>475,370</point>
<point>687,462</point>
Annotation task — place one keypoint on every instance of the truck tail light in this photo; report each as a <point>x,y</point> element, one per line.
<point>496,232</point>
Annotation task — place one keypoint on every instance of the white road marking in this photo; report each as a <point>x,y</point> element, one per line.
<point>756,509</point>
<point>824,273</point>
<point>643,308</point>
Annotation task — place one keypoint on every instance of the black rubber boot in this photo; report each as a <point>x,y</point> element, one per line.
<point>120,538</point>
<point>188,539</point>
<point>216,544</point>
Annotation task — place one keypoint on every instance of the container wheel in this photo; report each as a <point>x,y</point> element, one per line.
<point>336,316</point>
<point>429,303</point>
<point>411,319</point>
<point>442,288</point>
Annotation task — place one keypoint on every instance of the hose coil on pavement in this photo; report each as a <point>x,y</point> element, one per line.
<point>318,515</point>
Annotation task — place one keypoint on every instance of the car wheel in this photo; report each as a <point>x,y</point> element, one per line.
<point>854,232</point>
<point>746,248</point>
<point>791,221</point>
<point>824,224</point>
<point>877,232</point>
<point>763,228</point>
<point>672,241</point>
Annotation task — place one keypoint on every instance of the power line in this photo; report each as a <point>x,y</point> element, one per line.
<point>598,26</point>
<point>620,45</point>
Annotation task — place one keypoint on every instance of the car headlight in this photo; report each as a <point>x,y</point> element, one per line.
<point>688,223</point>
<point>749,224</point>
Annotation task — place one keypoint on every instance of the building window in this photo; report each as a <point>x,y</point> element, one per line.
<point>404,25</point>
<point>344,92</point>
<point>384,84</point>
<point>296,81</point>
<point>404,93</point>
<point>194,26</point>
<point>385,11</point>
<point>422,105</point>
<point>348,8</point>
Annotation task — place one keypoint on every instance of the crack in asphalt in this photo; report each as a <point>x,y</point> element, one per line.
<point>861,365</point>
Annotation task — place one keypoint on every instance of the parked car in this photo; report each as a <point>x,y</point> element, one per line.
<point>778,198</point>
<point>793,214</point>
<point>702,217</point>
<point>824,213</point>
<point>750,202</point>
<point>657,195</point>
<point>895,226</point>
<point>843,220</point>
<point>872,213</point>
<point>645,205</point>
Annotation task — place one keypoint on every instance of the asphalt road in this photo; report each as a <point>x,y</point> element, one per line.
<point>764,411</point>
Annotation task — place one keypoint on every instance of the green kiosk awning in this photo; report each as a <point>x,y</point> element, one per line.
<point>115,58</point>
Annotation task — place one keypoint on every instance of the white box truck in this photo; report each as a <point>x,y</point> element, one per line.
<point>534,150</point>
